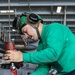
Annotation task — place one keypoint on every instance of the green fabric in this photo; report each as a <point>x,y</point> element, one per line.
<point>41,70</point>
<point>40,18</point>
<point>56,47</point>
<point>22,21</point>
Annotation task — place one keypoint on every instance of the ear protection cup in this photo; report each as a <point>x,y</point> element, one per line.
<point>33,18</point>
<point>14,23</point>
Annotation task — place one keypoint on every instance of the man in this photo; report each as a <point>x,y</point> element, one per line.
<point>56,47</point>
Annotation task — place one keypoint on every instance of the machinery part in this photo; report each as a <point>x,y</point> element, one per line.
<point>10,45</point>
<point>7,65</point>
<point>13,69</point>
<point>26,48</point>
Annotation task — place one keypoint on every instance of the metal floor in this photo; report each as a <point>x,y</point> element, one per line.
<point>25,70</point>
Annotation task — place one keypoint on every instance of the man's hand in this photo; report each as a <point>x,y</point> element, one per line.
<point>13,56</point>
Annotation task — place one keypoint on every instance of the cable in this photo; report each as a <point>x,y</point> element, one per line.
<point>29,6</point>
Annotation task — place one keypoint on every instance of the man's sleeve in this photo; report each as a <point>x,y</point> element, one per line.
<point>54,41</point>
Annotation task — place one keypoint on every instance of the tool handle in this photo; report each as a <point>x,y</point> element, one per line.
<point>10,45</point>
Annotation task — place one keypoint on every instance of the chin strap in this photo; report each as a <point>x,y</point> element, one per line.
<point>38,33</point>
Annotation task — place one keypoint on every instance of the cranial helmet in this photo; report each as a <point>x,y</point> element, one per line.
<point>24,18</point>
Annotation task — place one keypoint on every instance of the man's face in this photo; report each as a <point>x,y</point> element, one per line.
<point>30,32</point>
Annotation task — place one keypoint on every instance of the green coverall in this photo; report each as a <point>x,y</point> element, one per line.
<point>56,47</point>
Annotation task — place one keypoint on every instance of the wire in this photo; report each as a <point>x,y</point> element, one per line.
<point>29,6</point>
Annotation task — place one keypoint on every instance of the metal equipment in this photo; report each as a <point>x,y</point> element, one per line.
<point>10,46</point>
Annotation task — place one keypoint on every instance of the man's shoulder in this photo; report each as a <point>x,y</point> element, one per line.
<point>56,24</point>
